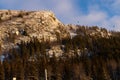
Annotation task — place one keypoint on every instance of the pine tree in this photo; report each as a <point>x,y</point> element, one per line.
<point>2,75</point>
<point>7,70</point>
<point>20,70</point>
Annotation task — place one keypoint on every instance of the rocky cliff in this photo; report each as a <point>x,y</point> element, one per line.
<point>17,26</point>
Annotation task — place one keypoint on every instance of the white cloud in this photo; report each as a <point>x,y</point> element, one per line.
<point>97,17</point>
<point>64,6</point>
<point>93,18</point>
<point>115,21</point>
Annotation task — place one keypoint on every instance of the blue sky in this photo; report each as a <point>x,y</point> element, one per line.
<point>103,13</point>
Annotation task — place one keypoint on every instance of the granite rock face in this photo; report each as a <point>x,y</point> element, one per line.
<point>17,26</point>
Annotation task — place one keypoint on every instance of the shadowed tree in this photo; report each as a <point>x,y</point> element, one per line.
<point>2,75</point>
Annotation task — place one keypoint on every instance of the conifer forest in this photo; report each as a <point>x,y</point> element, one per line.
<point>98,59</point>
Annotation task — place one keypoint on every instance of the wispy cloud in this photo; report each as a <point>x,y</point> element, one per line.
<point>92,18</point>
<point>98,17</point>
<point>115,21</point>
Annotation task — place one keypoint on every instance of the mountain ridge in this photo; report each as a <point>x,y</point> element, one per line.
<point>17,26</point>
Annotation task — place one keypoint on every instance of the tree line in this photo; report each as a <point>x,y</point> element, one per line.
<point>99,59</point>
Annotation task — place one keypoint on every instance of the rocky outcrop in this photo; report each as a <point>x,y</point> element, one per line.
<point>17,26</point>
<point>93,31</point>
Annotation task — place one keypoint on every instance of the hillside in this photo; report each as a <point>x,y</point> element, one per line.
<point>35,45</point>
<point>18,26</point>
